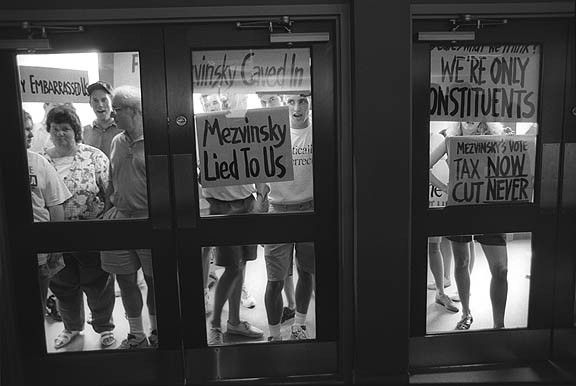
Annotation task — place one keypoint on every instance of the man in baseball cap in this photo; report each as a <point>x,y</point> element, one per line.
<point>100,133</point>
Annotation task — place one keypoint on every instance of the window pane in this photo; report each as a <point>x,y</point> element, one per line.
<point>253,117</point>
<point>483,123</point>
<point>97,314</point>
<point>77,110</point>
<point>272,271</point>
<point>455,261</point>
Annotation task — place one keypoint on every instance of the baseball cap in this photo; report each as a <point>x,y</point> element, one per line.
<point>100,85</point>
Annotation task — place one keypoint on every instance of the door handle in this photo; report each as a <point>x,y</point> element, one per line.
<point>549,177</point>
<point>568,202</point>
<point>185,190</point>
<point>159,190</point>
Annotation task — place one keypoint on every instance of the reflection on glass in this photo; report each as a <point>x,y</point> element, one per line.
<point>483,124</point>
<point>68,101</point>
<point>254,133</point>
<point>488,287</point>
<point>249,293</point>
<point>80,287</point>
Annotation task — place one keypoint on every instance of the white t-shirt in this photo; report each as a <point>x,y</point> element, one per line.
<point>229,193</point>
<point>46,186</point>
<point>301,189</point>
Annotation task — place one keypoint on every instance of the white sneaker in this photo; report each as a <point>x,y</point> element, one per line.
<point>215,337</point>
<point>246,329</point>
<point>247,300</point>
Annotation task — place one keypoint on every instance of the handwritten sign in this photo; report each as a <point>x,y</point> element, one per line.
<point>250,71</point>
<point>494,83</point>
<point>488,169</point>
<point>253,147</point>
<point>56,85</point>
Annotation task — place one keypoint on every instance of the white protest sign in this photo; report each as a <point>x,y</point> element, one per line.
<point>489,169</point>
<point>244,148</point>
<point>493,83</point>
<point>56,85</point>
<point>251,71</point>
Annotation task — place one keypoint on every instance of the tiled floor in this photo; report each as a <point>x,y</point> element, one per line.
<point>519,259</point>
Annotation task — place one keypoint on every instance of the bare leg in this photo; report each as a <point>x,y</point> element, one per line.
<point>462,274</point>
<point>497,257</point>
<point>436,266</point>
<point>289,292</point>
<point>446,249</point>
<point>225,287</point>
<point>472,256</point>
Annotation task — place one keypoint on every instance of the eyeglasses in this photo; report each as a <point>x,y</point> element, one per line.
<point>116,109</point>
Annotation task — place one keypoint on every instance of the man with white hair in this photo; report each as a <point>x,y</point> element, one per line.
<point>128,195</point>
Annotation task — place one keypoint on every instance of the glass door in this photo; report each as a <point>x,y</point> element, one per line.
<point>253,142</point>
<point>89,194</point>
<point>487,130</point>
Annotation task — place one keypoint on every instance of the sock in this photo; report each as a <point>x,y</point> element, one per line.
<point>300,319</point>
<point>274,330</point>
<point>136,328</point>
<point>153,325</point>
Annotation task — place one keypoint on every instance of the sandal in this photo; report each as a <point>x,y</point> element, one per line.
<point>64,338</point>
<point>107,338</point>
<point>465,323</point>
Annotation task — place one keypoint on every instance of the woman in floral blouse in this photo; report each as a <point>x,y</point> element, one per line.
<point>85,172</point>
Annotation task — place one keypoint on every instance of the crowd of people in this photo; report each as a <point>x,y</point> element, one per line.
<point>88,173</point>
<point>97,172</point>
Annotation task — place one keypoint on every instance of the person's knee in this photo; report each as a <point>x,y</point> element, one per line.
<point>127,282</point>
<point>274,287</point>
<point>500,273</point>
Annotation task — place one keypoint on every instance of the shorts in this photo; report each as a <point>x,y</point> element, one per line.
<point>434,239</point>
<point>485,239</point>
<point>127,261</point>
<point>279,257</point>
<point>233,255</point>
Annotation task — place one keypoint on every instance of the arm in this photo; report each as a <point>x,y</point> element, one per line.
<point>262,190</point>
<point>435,156</point>
<point>56,212</point>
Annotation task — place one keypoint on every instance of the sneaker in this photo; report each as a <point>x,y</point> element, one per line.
<point>153,339</point>
<point>274,339</point>
<point>132,342</point>
<point>298,333</point>
<point>287,314</point>
<point>446,302</point>
<point>247,300</point>
<point>215,337</point>
<point>246,329</point>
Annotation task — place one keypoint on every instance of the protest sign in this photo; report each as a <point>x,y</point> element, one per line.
<point>488,169</point>
<point>246,148</point>
<point>494,83</point>
<point>55,85</point>
<point>251,71</point>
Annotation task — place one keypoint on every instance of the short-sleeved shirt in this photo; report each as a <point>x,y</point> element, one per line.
<point>87,179</point>
<point>46,186</point>
<point>100,137</point>
<point>128,174</point>
<point>301,188</point>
